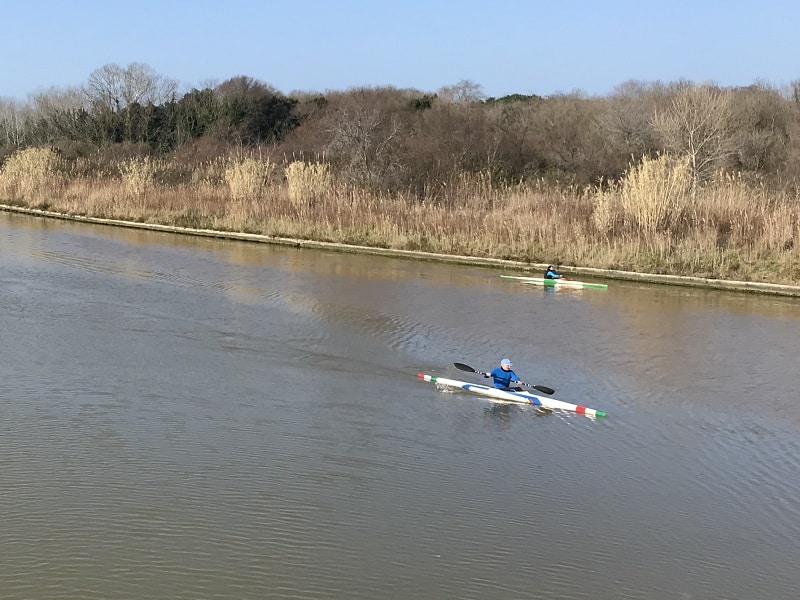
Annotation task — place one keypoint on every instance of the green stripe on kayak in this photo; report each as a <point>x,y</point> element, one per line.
<point>567,283</point>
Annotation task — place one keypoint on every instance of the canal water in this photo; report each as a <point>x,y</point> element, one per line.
<point>193,418</point>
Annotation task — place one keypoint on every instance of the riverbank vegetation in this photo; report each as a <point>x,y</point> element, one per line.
<point>678,178</point>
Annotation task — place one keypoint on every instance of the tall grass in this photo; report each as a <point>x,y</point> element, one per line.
<point>652,220</point>
<point>248,178</point>
<point>139,175</point>
<point>32,174</point>
<point>308,182</point>
<point>653,196</point>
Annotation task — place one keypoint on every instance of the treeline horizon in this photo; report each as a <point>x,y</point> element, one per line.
<point>410,141</point>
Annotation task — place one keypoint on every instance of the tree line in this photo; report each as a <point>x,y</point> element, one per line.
<point>409,140</point>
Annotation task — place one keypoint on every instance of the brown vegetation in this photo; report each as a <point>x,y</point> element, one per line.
<point>664,178</point>
<point>651,220</point>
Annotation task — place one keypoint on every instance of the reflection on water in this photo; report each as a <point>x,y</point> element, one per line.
<point>187,418</point>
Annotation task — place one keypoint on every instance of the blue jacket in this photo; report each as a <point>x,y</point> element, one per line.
<point>551,274</point>
<point>503,379</point>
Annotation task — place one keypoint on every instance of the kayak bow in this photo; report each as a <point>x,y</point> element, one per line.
<point>516,397</point>
<point>567,283</point>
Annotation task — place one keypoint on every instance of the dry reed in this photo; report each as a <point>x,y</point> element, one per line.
<point>654,194</point>
<point>651,221</point>
<point>308,182</point>
<point>248,178</point>
<point>139,175</point>
<point>32,174</point>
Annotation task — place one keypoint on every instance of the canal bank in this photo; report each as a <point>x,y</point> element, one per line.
<point>697,282</point>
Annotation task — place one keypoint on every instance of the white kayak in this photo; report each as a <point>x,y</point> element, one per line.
<point>516,397</point>
<point>558,283</point>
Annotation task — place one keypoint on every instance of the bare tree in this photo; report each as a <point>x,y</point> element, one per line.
<point>795,91</point>
<point>763,118</point>
<point>57,112</point>
<point>113,87</point>
<point>13,115</point>
<point>630,111</point>
<point>365,136</point>
<point>515,128</point>
<point>793,151</point>
<point>566,133</point>
<point>52,100</point>
<point>364,127</point>
<point>464,91</point>
<point>698,124</point>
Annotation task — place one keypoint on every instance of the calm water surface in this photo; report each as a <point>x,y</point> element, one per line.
<point>191,418</point>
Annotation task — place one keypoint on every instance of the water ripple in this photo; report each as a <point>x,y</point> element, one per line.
<point>177,423</point>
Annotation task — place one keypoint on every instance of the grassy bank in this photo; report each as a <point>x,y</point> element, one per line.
<point>654,220</point>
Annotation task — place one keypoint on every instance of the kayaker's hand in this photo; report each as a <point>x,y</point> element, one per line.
<point>487,374</point>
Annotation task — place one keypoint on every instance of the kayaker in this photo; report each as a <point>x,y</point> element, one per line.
<point>551,273</point>
<point>503,376</point>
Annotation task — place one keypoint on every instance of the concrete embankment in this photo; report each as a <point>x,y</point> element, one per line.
<point>700,282</point>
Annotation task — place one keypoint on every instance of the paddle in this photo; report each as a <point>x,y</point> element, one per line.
<point>542,388</point>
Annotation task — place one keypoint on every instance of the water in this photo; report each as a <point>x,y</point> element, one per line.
<point>191,418</point>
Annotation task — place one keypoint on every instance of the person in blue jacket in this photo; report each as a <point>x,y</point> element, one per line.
<point>551,273</point>
<point>503,376</point>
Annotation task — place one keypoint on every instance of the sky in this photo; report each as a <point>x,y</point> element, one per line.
<point>505,46</point>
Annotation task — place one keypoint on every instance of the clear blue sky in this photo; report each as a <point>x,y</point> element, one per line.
<point>507,46</point>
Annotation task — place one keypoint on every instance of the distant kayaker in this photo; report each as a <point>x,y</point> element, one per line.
<point>503,376</point>
<point>551,273</point>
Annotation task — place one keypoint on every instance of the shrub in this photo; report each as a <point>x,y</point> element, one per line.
<point>32,174</point>
<point>139,174</point>
<point>249,178</point>
<point>308,182</point>
<point>654,194</point>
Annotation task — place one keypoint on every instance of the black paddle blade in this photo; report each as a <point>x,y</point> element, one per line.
<point>463,367</point>
<point>542,388</point>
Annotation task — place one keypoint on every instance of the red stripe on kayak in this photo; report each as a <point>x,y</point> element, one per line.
<point>580,409</point>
